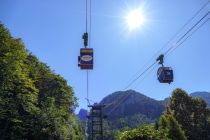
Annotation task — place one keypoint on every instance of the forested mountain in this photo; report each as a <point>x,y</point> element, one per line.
<point>185,118</point>
<point>35,103</point>
<point>130,102</point>
<point>129,109</point>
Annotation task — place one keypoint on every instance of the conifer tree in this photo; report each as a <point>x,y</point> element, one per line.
<point>191,113</point>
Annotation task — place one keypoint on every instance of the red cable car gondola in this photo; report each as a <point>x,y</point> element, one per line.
<point>85,60</point>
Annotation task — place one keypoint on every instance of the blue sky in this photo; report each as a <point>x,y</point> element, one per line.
<point>52,30</point>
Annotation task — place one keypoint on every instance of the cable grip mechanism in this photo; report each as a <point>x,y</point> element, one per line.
<point>85,37</point>
<point>160,59</point>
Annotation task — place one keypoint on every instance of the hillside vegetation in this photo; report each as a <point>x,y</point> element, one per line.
<point>185,118</point>
<point>35,103</point>
<point>127,110</point>
<point>130,109</point>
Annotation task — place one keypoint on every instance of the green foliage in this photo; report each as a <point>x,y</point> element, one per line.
<point>127,113</point>
<point>185,118</point>
<point>191,113</point>
<point>35,103</point>
<point>204,95</point>
<point>167,128</point>
<point>146,132</point>
<point>111,127</point>
<point>170,127</point>
<point>131,121</point>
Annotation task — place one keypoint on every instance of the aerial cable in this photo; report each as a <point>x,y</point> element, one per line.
<point>183,27</point>
<point>188,31</point>
<point>85,60</point>
<point>167,51</point>
<point>89,37</point>
<point>154,66</point>
<point>88,42</point>
<point>86,21</point>
<point>180,30</point>
<point>172,46</point>
<point>90,18</point>
<point>139,75</point>
<point>87,84</point>
<point>180,41</point>
<point>128,95</point>
<point>188,36</point>
<point>119,102</point>
<point>173,37</point>
<point>193,27</point>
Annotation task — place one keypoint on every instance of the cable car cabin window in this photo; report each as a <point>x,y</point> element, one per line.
<point>85,60</point>
<point>165,75</point>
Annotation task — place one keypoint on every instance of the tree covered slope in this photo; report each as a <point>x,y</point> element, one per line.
<point>35,103</point>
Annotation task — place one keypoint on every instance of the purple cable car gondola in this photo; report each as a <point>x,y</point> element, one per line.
<point>165,75</point>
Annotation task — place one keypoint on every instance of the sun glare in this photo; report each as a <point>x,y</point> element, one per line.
<point>135,19</point>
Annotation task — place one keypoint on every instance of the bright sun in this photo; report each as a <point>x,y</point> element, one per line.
<point>135,19</point>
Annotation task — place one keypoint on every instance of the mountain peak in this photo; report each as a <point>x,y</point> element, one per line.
<point>130,102</point>
<point>82,114</point>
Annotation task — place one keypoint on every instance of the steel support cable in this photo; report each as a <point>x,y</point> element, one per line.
<point>188,31</point>
<point>139,76</point>
<point>145,75</point>
<point>113,102</point>
<point>182,28</point>
<point>189,36</point>
<point>90,18</point>
<point>193,27</point>
<point>90,27</point>
<point>87,73</point>
<point>125,97</point>
<point>170,41</point>
<point>87,85</point>
<point>89,39</point>
<point>174,36</point>
<point>119,102</point>
<point>86,21</point>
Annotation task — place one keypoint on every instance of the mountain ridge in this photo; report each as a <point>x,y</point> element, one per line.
<point>130,102</point>
<point>135,107</point>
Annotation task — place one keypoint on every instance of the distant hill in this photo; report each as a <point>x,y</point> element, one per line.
<point>129,109</point>
<point>132,108</point>
<point>204,95</point>
<point>82,114</point>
